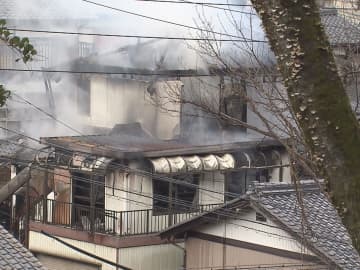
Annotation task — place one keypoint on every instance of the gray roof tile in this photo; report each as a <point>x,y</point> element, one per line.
<point>14,256</point>
<point>324,231</point>
<point>339,30</point>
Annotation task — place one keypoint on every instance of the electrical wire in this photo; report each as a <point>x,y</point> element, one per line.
<point>82,251</point>
<point>136,171</point>
<point>125,36</point>
<point>47,113</point>
<point>166,21</point>
<point>271,234</point>
<point>139,73</point>
<point>220,7</point>
<point>198,3</point>
<point>227,213</point>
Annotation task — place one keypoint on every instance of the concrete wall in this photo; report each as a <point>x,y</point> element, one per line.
<point>121,101</point>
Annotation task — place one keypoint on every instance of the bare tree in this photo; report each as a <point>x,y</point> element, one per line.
<point>304,105</point>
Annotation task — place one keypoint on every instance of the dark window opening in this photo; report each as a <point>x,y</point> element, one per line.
<point>170,197</point>
<point>235,106</point>
<point>233,98</point>
<point>88,197</point>
<point>237,183</point>
<point>260,217</point>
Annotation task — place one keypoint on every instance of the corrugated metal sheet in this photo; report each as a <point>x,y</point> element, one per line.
<point>159,257</point>
<point>193,163</point>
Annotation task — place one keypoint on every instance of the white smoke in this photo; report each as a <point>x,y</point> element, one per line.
<point>77,15</point>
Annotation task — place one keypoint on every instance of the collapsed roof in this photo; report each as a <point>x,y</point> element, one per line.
<point>124,144</point>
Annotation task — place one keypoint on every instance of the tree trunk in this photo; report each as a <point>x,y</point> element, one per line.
<point>318,99</point>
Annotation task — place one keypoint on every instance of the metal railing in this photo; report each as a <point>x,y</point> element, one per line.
<point>122,223</point>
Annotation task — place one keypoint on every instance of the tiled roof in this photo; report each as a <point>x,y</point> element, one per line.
<point>325,232</point>
<point>325,235</point>
<point>339,30</point>
<point>14,256</point>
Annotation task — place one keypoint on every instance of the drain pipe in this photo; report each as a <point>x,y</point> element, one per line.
<point>172,242</point>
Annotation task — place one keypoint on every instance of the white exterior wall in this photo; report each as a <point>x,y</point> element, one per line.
<point>115,198</point>
<point>214,181</point>
<point>39,243</point>
<point>122,101</point>
<point>253,232</point>
<point>159,257</point>
<point>155,257</point>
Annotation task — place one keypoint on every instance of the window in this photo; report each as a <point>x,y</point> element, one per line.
<point>85,49</point>
<point>179,198</point>
<point>237,183</point>
<point>233,99</point>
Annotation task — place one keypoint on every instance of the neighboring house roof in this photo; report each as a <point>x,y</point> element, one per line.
<point>325,231</point>
<point>339,30</point>
<point>325,234</point>
<point>15,256</point>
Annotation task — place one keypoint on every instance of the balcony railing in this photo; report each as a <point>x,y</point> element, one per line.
<point>121,223</point>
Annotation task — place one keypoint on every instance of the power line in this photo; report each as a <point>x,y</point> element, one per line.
<point>220,213</point>
<point>224,213</point>
<point>209,5</point>
<point>227,213</point>
<point>166,21</point>
<point>130,36</point>
<point>138,171</point>
<point>178,202</point>
<point>176,73</point>
<point>46,113</point>
<point>198,3</point>
<point>159,197</point>
<point>82,251</point>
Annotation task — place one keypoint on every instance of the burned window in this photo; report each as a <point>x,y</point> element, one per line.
<point>88,197</point>
<point>86,188</point>
<point>237,183</point>
<point>175,197</point>
<point>233,101</point>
